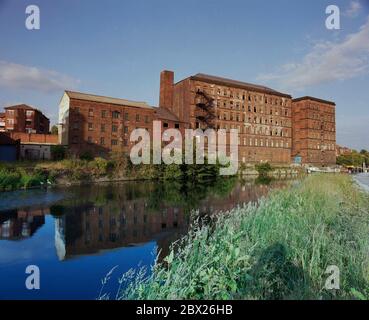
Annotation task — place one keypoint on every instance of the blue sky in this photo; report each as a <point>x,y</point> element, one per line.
<point>118,48</point>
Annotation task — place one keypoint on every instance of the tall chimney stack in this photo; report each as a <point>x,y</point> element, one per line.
<point>166,89</point>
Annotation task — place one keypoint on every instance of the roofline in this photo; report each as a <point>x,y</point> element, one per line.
<point>240,86</point>
<point>27,105</point>
<point>314,99</point>
<point>67,92</point>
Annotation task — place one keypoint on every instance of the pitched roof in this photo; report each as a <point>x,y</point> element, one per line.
<point>165,114</point>
<point>103,99</point>
<point>21,106</point>
<point>6,140</point>
<point>237,84</point>
<point>314,99</point>
<point>25,107</point>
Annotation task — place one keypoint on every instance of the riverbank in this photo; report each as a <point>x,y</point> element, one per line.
<point>28,175</point>
<point>278,249</point>
<point>362,180</point>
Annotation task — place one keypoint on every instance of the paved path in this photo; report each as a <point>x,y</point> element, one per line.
<point>363,180</point>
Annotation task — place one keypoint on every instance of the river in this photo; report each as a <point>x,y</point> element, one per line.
<point>75,235</point>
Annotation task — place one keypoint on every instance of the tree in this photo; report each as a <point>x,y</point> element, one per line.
<point>58,152</point>
<point>54,130</point>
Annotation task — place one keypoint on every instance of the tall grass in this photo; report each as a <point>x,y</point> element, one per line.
<point>278,249</point>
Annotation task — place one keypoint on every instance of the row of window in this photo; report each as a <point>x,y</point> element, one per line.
<point>254,119</point>
<point>242,95</point>
<point>267,131</point>
<point>254,142</point>
<point>115,115</point>
<point>255,109</point>
<point>114,127</point>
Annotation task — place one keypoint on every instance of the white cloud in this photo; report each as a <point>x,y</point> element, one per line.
<point>17,76</point>
<point>327,61</point>
<point>353,9</point>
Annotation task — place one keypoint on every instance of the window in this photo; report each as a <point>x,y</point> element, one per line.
<point>176,125</point>
<point>89,139</point>
<point>114,142</point>
<point>165,125</point>
<point>125,129</point>
<point>103,128</point>
<point>115,115</point>
<point>90,112</point>
<point>137,117</point>
<point>75,140</point>
<point>114,128</point>
<point>125,142</point>
<point>103,114</point>
<point>126,116</point>
<point>146,119</point>
<point>75,125</point>
<point>102,141</point>
<point>90,126</point>
<point>29,113</point>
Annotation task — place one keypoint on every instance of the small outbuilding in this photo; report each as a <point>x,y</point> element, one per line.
<point>9,148</point>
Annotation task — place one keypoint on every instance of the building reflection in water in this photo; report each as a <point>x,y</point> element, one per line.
<point>96,219</point>
<point>21,224</point>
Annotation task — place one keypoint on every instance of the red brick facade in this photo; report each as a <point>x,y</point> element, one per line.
<point>314,131</point>
<point>272,127</point>
<point>23,118</point>
<point>101,125</point>
<point>2,121</point>
<point>261,115</point>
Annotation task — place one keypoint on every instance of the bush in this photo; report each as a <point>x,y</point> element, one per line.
<point>87,156</point>
<point>263,169</point>
<point>58,152</point>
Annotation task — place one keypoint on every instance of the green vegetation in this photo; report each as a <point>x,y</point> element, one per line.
<point>355,159</point>
<point>19,178</point>
<point>278,249</point>
<point>264,169</point>
<point>87,169</point>
<point>58,152</point>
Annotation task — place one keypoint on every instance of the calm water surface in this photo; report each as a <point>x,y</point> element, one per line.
<point>76,235</point>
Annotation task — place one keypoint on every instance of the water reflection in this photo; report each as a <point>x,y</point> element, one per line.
<point>95,219</point>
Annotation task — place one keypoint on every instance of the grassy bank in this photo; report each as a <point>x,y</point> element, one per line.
<point>279,249</point>
<point>118,168</point>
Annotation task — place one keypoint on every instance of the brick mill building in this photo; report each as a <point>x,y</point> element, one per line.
<point>24,118</point>
<point>261,115</point>
<point>100,125</point>
<point>314,131</point>
<point>272,127</point>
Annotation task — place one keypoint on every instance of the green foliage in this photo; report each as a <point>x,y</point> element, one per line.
<point>54,130</point>
<point>19,178</point>
<point>263,169</point>
<point>58,152</point>
<point>279,248</point>
<point>87,156</point>
<point>355,159</point>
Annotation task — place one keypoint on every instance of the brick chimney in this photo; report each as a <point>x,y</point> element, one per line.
<point>166,89</point>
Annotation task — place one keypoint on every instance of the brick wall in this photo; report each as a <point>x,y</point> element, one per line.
<point>34,138</point>
<point>314,131</point>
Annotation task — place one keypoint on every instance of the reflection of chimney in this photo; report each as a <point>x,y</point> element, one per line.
<point>166,89</point>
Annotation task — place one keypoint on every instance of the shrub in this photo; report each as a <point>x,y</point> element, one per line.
<point>263,169</point>
<point>58,152</point>
<point>87,156</point>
